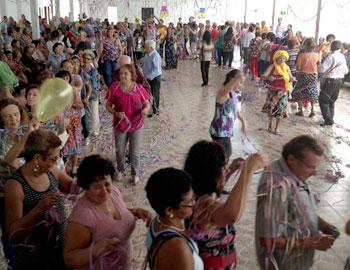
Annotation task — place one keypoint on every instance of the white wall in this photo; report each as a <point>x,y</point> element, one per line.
<point>334,18</point>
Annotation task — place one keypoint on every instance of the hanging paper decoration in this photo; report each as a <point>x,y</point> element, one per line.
<point>283,12</point>
<point>164,12</point>
<point>201,14</point>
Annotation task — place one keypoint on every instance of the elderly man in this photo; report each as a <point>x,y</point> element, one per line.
<point>152,69</point>
<point>334,68</point>
<point>280,28</point>
<point>287,229</point>
<point>123,60</point>
<point>264,28</point>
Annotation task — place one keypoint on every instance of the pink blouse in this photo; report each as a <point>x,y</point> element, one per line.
<point>102,226</point>
<point>130,104</point>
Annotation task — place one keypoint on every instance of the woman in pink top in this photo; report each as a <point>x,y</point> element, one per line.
<point>128,102</point>
<point>100,225</point>
<point>306,86</point>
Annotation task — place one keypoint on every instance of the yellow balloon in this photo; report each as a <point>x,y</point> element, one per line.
<point>56,95</point>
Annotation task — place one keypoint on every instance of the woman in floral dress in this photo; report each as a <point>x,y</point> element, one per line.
<point>181,50</point>
<point>170,55</point>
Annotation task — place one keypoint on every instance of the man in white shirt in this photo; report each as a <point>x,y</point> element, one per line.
<point>334,68</point>
<point>279,28</point>
<point>246,42</point>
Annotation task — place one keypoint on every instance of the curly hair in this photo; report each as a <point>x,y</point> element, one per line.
<point>204,163</point>
<point>92,168</point>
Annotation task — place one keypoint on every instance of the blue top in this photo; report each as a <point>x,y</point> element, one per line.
<point>56,61</point>
<point>152,65</point>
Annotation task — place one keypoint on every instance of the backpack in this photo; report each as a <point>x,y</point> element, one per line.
<point>229,45</point>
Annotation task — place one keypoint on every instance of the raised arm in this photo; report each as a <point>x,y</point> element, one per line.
<point>232,84</point>
<point>235,204</point>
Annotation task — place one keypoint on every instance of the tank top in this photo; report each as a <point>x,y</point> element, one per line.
<point>151,234</point>
<point>111,50</point>
<point>278,83</point>
<point>48,241</point>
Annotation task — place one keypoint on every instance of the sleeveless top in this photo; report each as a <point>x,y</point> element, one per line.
<point>44,245</point>
<point>278,83</point>
<point>137,44</point>
<point>224,118</point>
<point>216,246</point>
<point>110,50</point>
<point>152,234</point>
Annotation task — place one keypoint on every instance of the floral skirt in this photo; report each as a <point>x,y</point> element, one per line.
<point>276,104</point>
<point>73,145</point>
<point>306,87</point>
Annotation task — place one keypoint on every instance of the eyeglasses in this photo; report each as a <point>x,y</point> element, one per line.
<point>87,58</point>
<point>53,159</point>
<point>191,205</point>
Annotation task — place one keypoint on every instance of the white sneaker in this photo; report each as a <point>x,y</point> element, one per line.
<point>120,176</point>
<point>136,180</point>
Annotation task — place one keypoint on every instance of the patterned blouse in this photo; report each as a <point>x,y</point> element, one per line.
<point>254,47</point>
<point>224,118</point>
<point>110,50</point>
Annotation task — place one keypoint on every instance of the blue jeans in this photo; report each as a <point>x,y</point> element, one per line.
<point>85,122</point>
<point>110,66</point>
<point>216,55</point>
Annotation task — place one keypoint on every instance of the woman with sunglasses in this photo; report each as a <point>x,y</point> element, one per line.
<point>170,194</point>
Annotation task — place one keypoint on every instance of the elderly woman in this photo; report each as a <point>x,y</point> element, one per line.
<point>170,194</point>
<point>56,57</point>
<point>35,216</point>
<point>91,78</point>
<point>110,50</point>
<point>306,87</point>
<point>100,225</point>
<point>12,116</point>
<point>128,102</point>
<point>226,111</point>
<point>212,224</point>
<point>280,76</point>
<point>205,52</point>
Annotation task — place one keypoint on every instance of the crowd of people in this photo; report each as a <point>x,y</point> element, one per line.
<point>123,64</point>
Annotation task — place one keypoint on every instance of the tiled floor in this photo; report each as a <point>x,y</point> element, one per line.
<point>186,112</point>
<point>185,115</point>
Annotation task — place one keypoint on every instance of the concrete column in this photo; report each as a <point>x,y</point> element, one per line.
<point>3,8</point>
<point>34,19</point>
<point>317,31</point>
<point>57,9</point>
<point>71,10</point>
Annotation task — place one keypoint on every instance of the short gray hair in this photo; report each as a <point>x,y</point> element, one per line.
<point>150,43</point>
<point>125,58</point>
<point>89,52</point>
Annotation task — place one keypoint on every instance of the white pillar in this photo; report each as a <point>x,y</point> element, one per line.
<point>245,11</point>
<point>34,19</point>
<point>71,11</point>
<point>318,20</point>
<point>3,8</point>
<point>57,9</point>
<point>273,15</point>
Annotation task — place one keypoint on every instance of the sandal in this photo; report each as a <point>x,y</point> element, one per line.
<point>276,132</point>
<point>312,114</point>
<point>269,129</point>
<point>299,114</point>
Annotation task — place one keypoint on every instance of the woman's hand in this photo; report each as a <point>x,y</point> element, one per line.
<point>119,115</point>
<point>49,200</point>
<point>33,126</point>
<point>145,111</point>
<point>236,163</point>
<point>104,247</point>
<point>258,161</point>
<point>271,78</point>
<point>143,214</point>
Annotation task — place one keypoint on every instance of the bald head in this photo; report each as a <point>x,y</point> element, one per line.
<point>124,59</point>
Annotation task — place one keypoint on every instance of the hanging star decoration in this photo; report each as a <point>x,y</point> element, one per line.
<point>201,14</point>
<point>164,12</point>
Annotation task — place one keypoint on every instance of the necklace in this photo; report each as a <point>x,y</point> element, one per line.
<point>163,225</point>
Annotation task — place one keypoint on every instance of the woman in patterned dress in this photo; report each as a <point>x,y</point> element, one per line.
<point>226,112</point>
<point>279,75</point>
<point>306,87</point>
<point>72,148</point>
<point>212,223</point>
<point>170,54</point>
<point>181,50</point>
